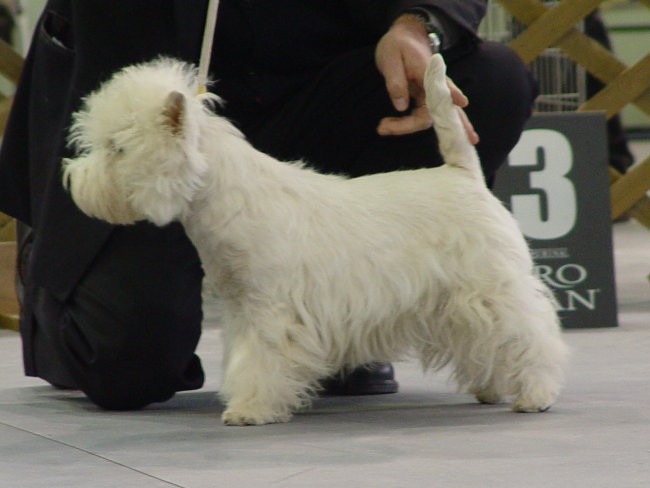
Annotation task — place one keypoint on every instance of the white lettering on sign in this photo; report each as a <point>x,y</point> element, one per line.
<point>573,299</point>
<point>564,280</point>
<point>566,276</point>
<point>549,211</point>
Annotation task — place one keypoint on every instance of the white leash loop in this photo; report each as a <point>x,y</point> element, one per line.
<point>206,46</point>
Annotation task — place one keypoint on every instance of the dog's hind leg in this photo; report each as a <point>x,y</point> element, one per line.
<point>506,346</point>
<point>530,359</point>
<point>536,364</point>
<point>268,373</point>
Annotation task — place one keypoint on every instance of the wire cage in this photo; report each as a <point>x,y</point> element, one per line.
<point>562,82</point>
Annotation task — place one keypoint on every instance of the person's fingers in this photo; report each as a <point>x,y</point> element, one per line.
<point>419,120</point>
<point>416,121</point>
<point>391,66</point>
<point>469,128</point>
<point>460,100</point>
<point>457,95</point>
<point>401,57</point>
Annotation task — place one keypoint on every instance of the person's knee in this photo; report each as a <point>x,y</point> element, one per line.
<point>131,363</point>
<point>500,75</point>
<point>123,388</point>
<point>494,73</point>
<point>139,374</point>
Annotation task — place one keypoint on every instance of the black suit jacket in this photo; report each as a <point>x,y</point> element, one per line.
<point>80,43</point>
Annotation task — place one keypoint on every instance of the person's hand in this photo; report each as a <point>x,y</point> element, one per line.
<point>401,56</point>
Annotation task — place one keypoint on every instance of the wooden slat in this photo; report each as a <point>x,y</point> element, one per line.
<point>7,228</point>
<point>551,26</point>
<point>627,190</point>
<point>11,63</point>
<point>525,11</point>
<point>641,212</point>
<point>599,62</point>
<point>9,321</point>
<point>5,107</point>
<point>592,56</point>
<point>628,86</point>
<point>614,174</point>
<point>9,308</point>
<point>583,50</point>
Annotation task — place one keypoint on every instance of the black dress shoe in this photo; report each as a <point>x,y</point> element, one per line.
<point>371,379</point>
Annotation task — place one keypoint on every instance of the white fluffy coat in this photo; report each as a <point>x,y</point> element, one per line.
<point>319,273</point>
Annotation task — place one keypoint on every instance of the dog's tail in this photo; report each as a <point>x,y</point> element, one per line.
<point>455,147</point>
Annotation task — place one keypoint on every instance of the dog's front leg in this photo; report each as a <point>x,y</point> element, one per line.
<point>268,373</point>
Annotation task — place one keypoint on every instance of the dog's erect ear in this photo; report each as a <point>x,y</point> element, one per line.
<point>174,112</point>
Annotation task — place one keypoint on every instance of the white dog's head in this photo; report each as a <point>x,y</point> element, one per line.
<point>137,139</point>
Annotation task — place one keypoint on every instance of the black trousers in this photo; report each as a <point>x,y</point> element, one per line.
<point>127,334</point>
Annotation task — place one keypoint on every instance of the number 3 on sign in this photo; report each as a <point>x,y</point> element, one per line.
<point>549,211</point>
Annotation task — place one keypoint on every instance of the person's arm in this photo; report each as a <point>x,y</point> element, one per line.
<point>460,17</point>
<point>405,48</point>
<point>401,56</point>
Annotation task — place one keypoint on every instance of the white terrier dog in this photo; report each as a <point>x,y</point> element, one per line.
<point>320,273</point>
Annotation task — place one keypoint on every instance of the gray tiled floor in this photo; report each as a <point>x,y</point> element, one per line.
<point>428,435</point>
<point>598,435</point>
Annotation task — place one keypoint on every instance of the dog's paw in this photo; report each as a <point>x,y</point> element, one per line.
<point>246,417</point>
<point>486,395</point>
<point>535,399</point>
<point>523,405</point>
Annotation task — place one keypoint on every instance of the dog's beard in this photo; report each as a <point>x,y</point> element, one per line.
<point>95,192</point>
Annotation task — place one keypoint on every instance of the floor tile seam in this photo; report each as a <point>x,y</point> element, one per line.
<point>90,453</point>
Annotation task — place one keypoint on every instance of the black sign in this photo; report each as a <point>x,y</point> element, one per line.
<point>556,184</point>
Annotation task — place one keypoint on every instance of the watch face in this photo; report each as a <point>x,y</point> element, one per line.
<point>432,26</point>
<point>434,42</point>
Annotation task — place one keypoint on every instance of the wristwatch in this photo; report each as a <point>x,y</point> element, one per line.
<point>431,24</point>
